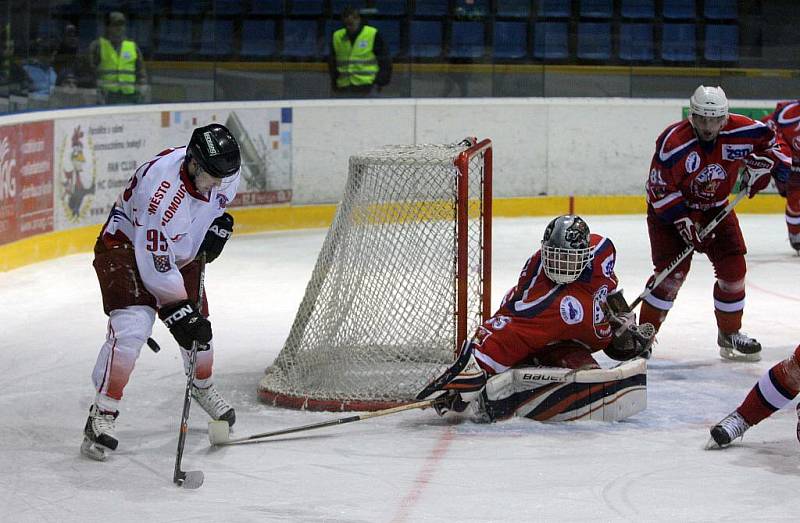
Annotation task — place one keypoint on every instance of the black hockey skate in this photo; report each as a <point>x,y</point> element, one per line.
<point>794,241</point>
<point>98,434</point>
<point>723,433</point>
<point>738,346</point>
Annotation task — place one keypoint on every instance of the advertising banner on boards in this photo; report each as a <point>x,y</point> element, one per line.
<point>265,139</point>
<point>93,159</point>
<point>66,173</point>
<point>26,183</point>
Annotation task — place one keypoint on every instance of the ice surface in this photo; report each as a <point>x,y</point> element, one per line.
<point>411,466</point>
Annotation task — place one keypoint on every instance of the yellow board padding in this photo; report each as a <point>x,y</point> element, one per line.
<point>286,217</point>
<point>282,217</point>
<point>47,246</point>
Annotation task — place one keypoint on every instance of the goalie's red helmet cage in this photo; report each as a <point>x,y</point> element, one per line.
<point>216,150</point>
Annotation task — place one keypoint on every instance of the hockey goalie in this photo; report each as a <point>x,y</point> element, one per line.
<point>533,357</point>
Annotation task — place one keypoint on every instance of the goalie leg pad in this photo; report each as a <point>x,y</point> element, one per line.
<point>557,394</point>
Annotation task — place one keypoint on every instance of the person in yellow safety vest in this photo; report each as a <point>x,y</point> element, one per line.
<point>359,58</point>
<point>118,64</point>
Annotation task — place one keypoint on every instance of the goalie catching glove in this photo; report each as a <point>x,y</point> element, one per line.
<point>629,340</point>
<point>186,324</point>
<point>458,386</point>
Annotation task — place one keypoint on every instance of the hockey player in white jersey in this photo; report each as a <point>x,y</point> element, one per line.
<point>172,209</point>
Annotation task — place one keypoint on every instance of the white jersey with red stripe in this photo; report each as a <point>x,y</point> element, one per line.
<point>165,218</point>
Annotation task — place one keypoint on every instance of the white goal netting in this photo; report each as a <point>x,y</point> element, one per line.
<point>398,284</point>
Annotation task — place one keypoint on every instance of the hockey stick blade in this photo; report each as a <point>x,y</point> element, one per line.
<point>191,479</point>
<point>219,431</point>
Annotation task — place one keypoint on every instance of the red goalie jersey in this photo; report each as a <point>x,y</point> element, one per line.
<point>538,315</point>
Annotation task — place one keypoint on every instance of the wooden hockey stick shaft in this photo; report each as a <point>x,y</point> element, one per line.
<point>339,421</point>
<point>661,276</point>
<point>193,478</point>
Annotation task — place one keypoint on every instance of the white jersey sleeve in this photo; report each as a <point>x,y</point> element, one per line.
<point>166,219</point>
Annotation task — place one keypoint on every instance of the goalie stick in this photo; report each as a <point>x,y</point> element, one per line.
<point>190,479</point>
<point>219,432</point>
<point>661,276</point>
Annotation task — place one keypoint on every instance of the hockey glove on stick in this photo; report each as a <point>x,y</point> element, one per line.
<point>186,324</point>
<point>221,229</point>
<point>756,174</point>
<point>690,234</point>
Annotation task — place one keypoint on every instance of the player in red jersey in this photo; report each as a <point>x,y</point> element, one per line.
<point>776,389</point>
<point>785,121</point>
<point>555,316</point>
<point>692,173</point>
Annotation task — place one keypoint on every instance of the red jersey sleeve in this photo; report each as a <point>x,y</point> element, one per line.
<point>663,184</point>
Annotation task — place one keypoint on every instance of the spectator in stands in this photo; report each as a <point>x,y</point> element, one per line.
<point>359,59</point>
<point>118,64</point>
<point>39,72</point>
<point>72,69</point>
<point>12,76</point>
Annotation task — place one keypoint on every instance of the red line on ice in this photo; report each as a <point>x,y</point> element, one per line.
<point>424,476</point>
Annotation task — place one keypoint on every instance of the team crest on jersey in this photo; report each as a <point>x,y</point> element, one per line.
<point>161,262</point>
<point>607,265</point>
<point>77,165</point>
<point>222,200</point>
<point>602,329</point>
<point>571,310</point>
<point>692,162</point>
<point>733,152</point>
<point>796,143</point>
<point>705,184</point>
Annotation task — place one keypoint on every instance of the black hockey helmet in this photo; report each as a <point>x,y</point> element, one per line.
<point>216,150</point>
<point>566,250</point>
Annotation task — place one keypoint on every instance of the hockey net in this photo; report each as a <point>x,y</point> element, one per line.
<point>403,276</point>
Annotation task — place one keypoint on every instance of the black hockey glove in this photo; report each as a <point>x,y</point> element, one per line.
<point>628,339</point>
<point>186,324</point>
<point>221,229</point>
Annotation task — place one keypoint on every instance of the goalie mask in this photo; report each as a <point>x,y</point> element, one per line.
<point>565,249</point>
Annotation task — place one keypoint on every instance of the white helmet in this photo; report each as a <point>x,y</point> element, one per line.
<point>709,101</point>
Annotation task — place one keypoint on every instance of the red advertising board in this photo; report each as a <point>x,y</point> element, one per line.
<point>26,180</point>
